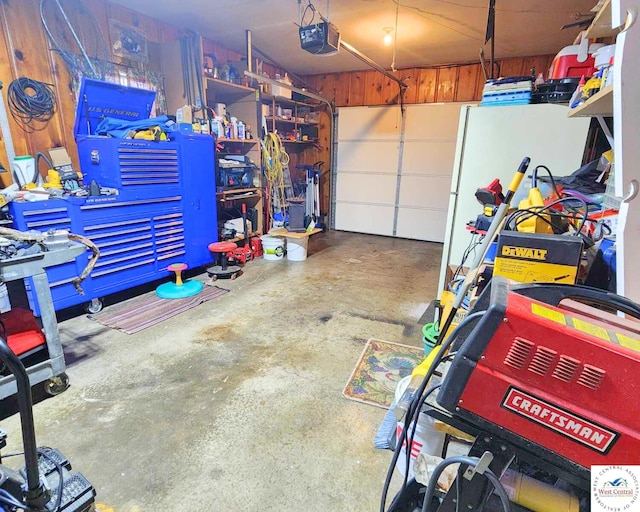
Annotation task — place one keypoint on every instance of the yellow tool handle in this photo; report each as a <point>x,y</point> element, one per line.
<point>517,179</point>
<point>492,232</point>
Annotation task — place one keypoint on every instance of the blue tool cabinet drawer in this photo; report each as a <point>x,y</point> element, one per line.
<point>131,166</point>
<point>42,216</point>
<point>169,238</point>
<point>49,218</point>
<point>123,208</point>
<point>127,251</point>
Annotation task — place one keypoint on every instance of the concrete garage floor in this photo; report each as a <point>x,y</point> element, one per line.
<point>236,405</point>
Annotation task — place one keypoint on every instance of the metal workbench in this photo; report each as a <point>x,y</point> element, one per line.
<point>52,369</point>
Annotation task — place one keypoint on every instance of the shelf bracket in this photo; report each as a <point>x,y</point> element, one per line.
<point>605,129</point>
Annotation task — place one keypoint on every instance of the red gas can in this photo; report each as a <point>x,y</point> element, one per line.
<point>256,246</point>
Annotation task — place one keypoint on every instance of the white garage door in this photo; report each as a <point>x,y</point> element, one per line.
<point>393,175</point>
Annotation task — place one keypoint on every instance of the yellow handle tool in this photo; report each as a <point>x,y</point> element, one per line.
<point>496,223</point>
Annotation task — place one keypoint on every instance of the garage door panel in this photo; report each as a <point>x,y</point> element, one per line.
<point>425,191</point>
<point>372,193</point>
<point>422,224</point>
<point>363,218</point>
<point>362,123</point>
<point>366,188</point>
<point>434,122</point>
<point>428,157</point>
<point>368,157</point>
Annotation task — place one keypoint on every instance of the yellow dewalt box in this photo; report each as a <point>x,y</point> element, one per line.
<point>538,258</point>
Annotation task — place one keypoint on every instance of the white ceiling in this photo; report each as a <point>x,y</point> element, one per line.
<point>429,31</point>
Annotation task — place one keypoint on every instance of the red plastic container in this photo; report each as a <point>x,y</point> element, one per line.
<point>570,62</point>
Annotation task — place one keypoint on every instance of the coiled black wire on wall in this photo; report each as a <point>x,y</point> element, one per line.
<point>32,103</point>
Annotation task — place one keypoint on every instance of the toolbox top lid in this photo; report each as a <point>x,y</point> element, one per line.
<point>99,99</point>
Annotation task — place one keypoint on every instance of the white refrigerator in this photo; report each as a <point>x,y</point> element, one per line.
<point>491,143</point>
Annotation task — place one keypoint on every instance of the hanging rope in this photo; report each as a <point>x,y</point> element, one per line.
<point>275,159</point>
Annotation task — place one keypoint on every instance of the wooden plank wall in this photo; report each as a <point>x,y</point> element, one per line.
<point>25,51</point>
<point>221,53</point>
<point>426,85</point>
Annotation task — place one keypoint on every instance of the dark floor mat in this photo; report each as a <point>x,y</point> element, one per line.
<point>136,314</point>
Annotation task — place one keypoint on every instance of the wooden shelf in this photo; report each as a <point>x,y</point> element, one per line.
<point>286,101</point>
<point>226,199</point>
<point>237,141</point>
<point>239,193</point>
<point>285,141</point>
<point>293,234</point>
<point>228,90</point>
<point>241,237</point>
<point>601,25</point>
<point>600,104</point>
<point>292,121</point>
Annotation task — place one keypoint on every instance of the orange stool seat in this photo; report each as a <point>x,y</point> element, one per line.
<point>220,266</point>
<point>220,247</point>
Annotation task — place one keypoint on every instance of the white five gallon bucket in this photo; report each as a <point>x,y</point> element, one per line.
<point>24,168</point>
<point>297,248</point>
<point>272,247</point>
<point>425,440</point>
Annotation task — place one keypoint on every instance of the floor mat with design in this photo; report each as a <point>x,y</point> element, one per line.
<point>378,371</point>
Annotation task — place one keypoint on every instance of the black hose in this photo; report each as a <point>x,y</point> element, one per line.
<point>417,400</point>
<point>36,172</point>
<point>30,100</point>
<point>411,437</point>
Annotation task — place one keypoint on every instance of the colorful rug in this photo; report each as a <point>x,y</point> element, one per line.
<point>380,367</point>
<point>134,315</point>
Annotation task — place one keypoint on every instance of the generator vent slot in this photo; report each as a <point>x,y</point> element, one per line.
<point>566,368</point>
<point>591,376</point>
<point>542,360</point>
<point>519,353</point>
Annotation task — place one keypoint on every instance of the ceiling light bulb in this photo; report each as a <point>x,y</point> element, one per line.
<point>388,36</point>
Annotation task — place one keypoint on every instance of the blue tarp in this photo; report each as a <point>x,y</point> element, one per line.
<point>119,128</point>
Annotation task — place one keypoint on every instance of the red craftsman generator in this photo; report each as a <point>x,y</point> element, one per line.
<point>548,375</point>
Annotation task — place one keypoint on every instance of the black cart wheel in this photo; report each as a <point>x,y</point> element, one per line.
<point>56,385</point>
<point>94,306</point>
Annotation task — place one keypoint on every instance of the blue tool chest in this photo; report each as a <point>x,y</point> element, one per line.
<point>165,211</point>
